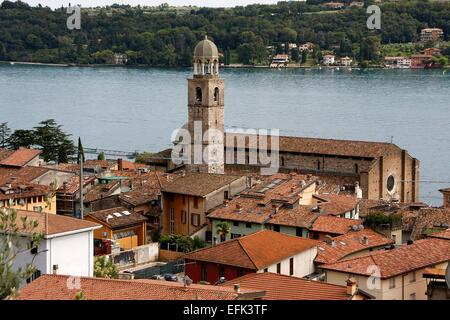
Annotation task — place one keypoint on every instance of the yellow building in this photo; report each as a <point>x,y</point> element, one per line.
<point>128,229</point>
<point>29,197</point>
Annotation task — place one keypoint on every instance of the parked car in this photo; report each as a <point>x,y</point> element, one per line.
<point>170,277</point>
<point>157,277</point>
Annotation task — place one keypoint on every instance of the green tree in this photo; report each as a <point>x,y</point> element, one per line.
<point>222,230</point>
<point>11,245</point>
<point>21,138</point>
<point>5,133</point>
<point>55,144</point>
<point>104,267</point>
<point>304,56</point>
<point>101,156</point>
<point>295,54</point>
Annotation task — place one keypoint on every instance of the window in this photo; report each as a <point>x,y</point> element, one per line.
<point>248,225</point>
<point>225,194</point>
<point>266,270</point>
<point>412,296</point>
<point>198,94</point>
<point>394,237</point>
<point>390,183</point>
<point>318,165</point>
<point>291,266</point>
<point>221,271</point>
<point>236,223</point>
<point>278,267</point>
<point>183,217</point>
<point>235,235</point>
<point>34,276</point>
<point>412,277</point>
<point>216,94</point>
<point>170,197</point>
<point>356,168</point>
<point>172,220</point>
<point>276,228</point>
<point>282,161</point>
<point>392,283</point>
<point>204,270</point>
<point>195,220</point>
<point>195,202</point>
<point>299,232</point>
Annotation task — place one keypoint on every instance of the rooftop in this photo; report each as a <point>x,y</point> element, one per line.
<point>56,223</point>
<point>406,258</point>
<point>283,287</point>
<point>350,243</point>
<point>19,191</point>
<point>199,184</point>
<point>334,225</point>
<point>441,234</point>
<point>20,157</point>
<point>54,287</point>
<point>117,217</point>
<point>255,251</point>
<point>347,148</point>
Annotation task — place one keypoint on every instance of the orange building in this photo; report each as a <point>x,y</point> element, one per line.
<point>128,229</point>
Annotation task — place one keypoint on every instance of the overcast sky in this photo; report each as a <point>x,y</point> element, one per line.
<point>94,3</point>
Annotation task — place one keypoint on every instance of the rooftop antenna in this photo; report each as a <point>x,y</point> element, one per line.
<point>392,139</point>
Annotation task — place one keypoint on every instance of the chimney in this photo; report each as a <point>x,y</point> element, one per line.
<point>351,286</point>
<point>365,240</point>
<point>292,189</point>
<point>238,207</point>
<point>358,191</point>
<point>55,269</point>
<point>119,164</point>
<point>237,288</point>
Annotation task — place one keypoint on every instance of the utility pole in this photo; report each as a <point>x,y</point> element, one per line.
<point>81,162</point>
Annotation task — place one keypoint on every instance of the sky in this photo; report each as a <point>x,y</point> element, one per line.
<point>94,3</point>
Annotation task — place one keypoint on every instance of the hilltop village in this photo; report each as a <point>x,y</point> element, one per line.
<point>335,215</point>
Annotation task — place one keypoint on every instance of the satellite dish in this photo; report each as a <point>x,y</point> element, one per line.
<point>447,275</point>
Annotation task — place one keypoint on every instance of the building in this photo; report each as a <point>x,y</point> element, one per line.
<point>67,246</point>
<point>330,226</point>
<point>286,203</point>
<point>333,5</point>
<point>54,287</point>
<point>437,288</point>
<point>68,195</point>
<point>329,59</point>
<point>420,61</point>
<point>309,46</point>
<point>398,62</point>
<point>205,112</point>
<point>431,34</point>
<point>283,287</point>
<point>446,197</point>
<point>127,229</point>
<point>279,60</point>
<point>432,51</point>
<point>395,274</point>
<point>20,158</point>
<point>351,244</point>
<point>262,251</point>
<point>383,170</point>
<point>187,200</point>
<point>346,61</point>
<point>419,224</point>
<point>29,197</point>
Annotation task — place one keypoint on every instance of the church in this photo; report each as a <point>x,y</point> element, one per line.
<point>382,170</point>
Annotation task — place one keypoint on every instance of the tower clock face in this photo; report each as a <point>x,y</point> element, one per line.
<point>390,184</point>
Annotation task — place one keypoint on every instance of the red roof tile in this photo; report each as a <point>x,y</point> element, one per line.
<point>441,235</point>
<point>54,287</point>
<point>20,157</point>
<point>420,254</point>
<point>334,225</point>
<point>283,287</point>
<point>255,251</point>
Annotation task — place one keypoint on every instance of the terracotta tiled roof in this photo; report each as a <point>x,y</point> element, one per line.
<point>73,184</point>
<point>441,234</point>
<point>445,190</point>
<point>334,225</point>
<point>350,243</point>
<point>103,164</point>
<point>4,153</point>
<point>27,190</point>
<point>199,184</point>
<point>349,148</point>
<point>428,220</point>
<point>21,175</point>
<point>20,157</point>
<point>56,223</point>
<point>283,287</point>
<point>337,204</point>
<point>54,287</point>
<point>117,217</point>
<point>301,216</point>
<point>101,191</point>
<point>69,167</point>
<point>422,253</point>
<point>255,251</point>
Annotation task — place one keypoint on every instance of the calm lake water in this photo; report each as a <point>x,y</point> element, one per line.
<point>137,109</point>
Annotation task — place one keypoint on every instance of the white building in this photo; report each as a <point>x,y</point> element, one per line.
<point>67,247</point>
<point>346,61</point>
<point>329,59</point>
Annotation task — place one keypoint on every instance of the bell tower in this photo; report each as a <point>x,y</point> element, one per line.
<point>206,111</point>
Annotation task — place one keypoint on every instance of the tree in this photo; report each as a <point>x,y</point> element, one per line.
<point>295,54</point>
<point>101,156</point>
<point>54,143</point>
<point>11,245</point>
<point>5,132</point>
<point>21,138</point>
<point>304,56</point>
<point>104,267</point>
<point>222,230</point>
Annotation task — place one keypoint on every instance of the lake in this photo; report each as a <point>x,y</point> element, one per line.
<point>138,108</point>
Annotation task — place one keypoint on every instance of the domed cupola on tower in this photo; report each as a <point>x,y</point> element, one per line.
<point>206,58</point>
